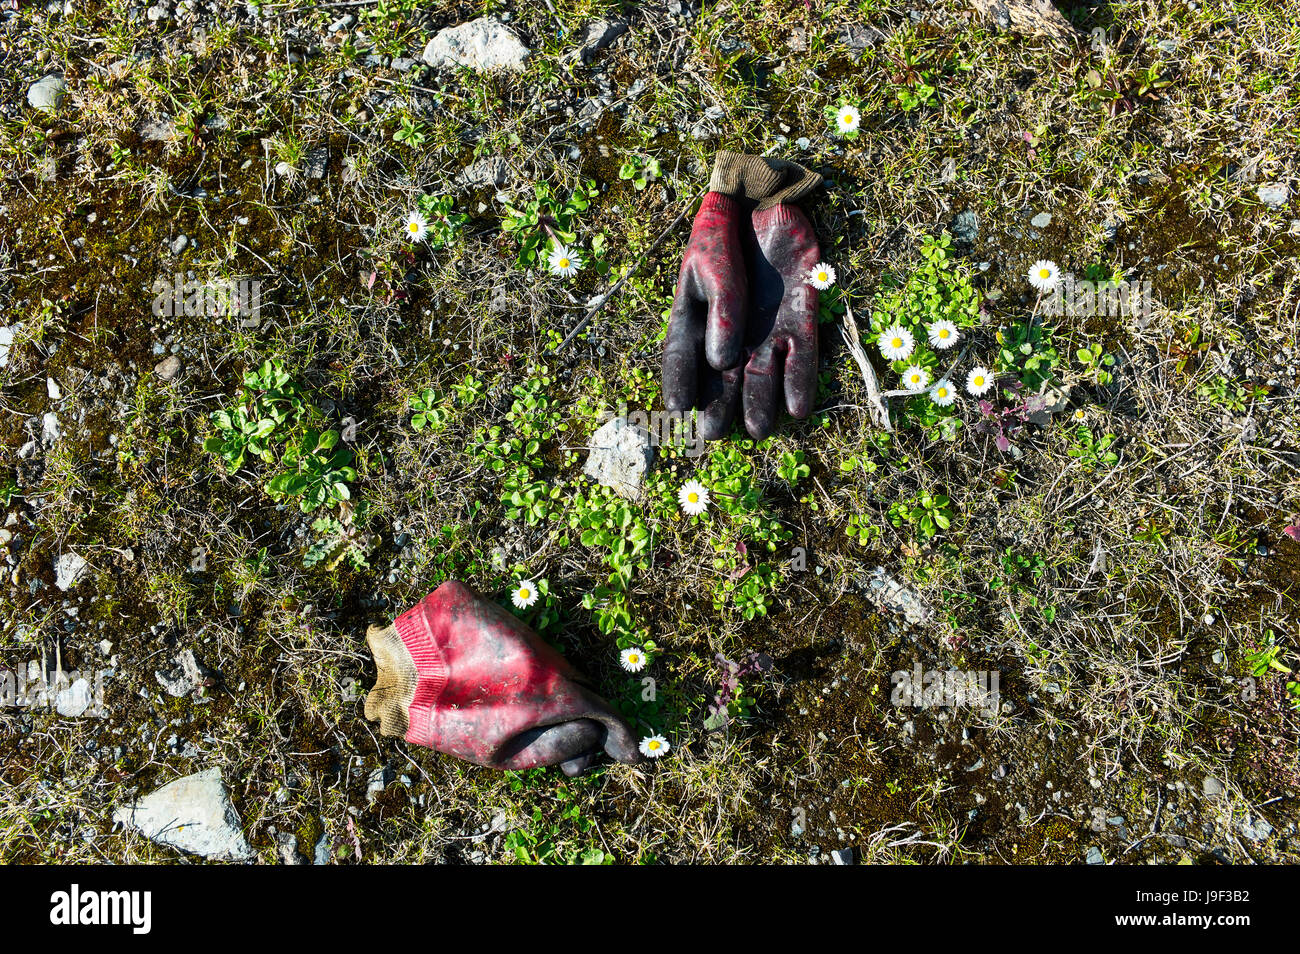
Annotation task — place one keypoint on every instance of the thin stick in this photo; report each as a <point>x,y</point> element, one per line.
<point>604,299</point>
<point>875,404</point>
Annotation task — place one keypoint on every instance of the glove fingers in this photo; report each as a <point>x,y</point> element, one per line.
<point>682,346</point>
<point>762,389</point>
<point>721,402</point>
<point>552,744</point>
<point>725,331</point>
<point>801,376</point>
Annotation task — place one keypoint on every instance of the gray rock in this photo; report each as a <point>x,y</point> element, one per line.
<point>286,845</point>
<point>1094,856</point>
<point>485,44</point>
<point>318,162</point>
<point>168,368</point>
<point>1211,787</point>
<point>185,676</point>
<point>47,93</point>
<point>596,36</point>
<point>488,172</point>
<point>342,23</point>
<point>68,569</point>
<point>152,129</point>
<point>842,856</point>
<point>621,453</point>
<point>179,244</point>
<point>1042,220</point>
<point>888,593</point>
<point>194,814</point>
<point>1274,194</point>
<point>1255,828</point>
<point>323,851</point>
<point>966,226</point>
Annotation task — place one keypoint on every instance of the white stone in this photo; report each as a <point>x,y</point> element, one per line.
<point>483,44</point>
<point>1274,194</point>
<point>194,814</point>
<point>68,569</point>
<point>75,700</point>
<point>50,427</point>
<point>7,333</point>
<point>47,93</point>
<point>621,453</point>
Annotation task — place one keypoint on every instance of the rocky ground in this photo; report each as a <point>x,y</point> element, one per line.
<point>1110,540</point>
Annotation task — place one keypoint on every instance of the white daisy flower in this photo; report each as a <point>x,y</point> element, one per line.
<point>943,334</point>
<point>847,119</point>
<point>979,381</point>
<point>525,594</point>
<point>417,227</point>
<point>822,276</point>
<point>654,746</point>
<point>1080,415</point>
<point>943,393</point>
<point>916,378</point>
<point>564,262</point>
<point>1044,274</point>
<point>693,497</point>
<point>896,343</point>
<point>633,660</point>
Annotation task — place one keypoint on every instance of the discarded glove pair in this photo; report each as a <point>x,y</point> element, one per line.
<point>459,674</point>
<point>743,328</point>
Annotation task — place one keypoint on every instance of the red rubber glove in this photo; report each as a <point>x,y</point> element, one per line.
<point>460,675</point>
<point>712,316</point>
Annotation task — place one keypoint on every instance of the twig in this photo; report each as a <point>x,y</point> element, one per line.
<point>602,300</point>
<point>875,404</point>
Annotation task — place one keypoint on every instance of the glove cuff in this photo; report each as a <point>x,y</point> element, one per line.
<point>720,203</point>
<point>759,179</point>
<point>411,675</point>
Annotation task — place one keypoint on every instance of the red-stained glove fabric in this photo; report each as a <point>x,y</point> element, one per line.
<point>713,329</point>
<point>781,336</point>
<point>460,675</point>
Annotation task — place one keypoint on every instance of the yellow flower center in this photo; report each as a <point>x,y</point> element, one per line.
<point>822,276</point>
<point>896,342</point>
<point>564,263</point>
<point>943,332</point>
<point>693,497</point>
<point>414,227</point>
<point>942,392</point>
<point>1044,273</point>
<point>524,594</point>
<point>633,659</point>
<point>979,381</point>
<point>653,746</point>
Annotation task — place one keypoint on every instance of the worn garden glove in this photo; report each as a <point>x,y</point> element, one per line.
<point>711,310</point>
<point>781,335</point>
<point>460,675</point>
